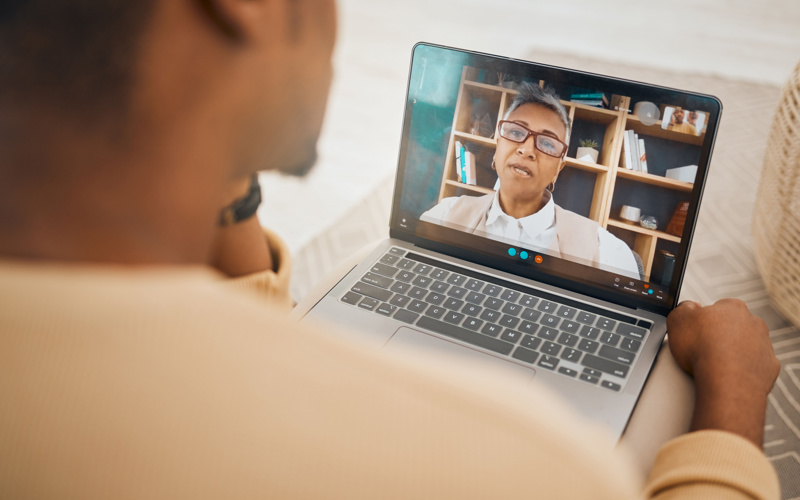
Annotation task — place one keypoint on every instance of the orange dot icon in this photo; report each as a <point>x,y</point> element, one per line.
<point>538,259</point>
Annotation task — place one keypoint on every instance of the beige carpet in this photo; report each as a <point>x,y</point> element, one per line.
<point>721,263</point>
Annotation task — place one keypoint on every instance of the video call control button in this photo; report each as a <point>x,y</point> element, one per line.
<point>523,255</point>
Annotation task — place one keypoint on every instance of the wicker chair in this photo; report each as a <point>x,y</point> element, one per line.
<point>776,218</point>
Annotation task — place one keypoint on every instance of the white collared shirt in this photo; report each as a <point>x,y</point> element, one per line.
<point>538,231</point>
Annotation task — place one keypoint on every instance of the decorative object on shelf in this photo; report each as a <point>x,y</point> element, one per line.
<point>647,112</point>
<point>776,215</point>
<point>504,80</point>
<point>587,150</point>
<point>675,226</point>
<point>630,214</point>
<point>481,126</point>
<point>683,174</point>
<point>667,267</point>
<point>649,222</point>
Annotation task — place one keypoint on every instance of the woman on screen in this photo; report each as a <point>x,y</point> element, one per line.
<point>531,146</point>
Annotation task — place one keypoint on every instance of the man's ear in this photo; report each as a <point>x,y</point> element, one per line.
<point>239,20</point>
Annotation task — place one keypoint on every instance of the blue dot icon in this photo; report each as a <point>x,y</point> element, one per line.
<point>650,291</point>
<point>523,255</point>
<point>512,251</point>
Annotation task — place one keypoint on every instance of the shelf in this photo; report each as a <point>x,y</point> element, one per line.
<point>592,113</point>
<point>585,165</point>
<point>486,86</point>
<point>655,130</point>
<point>643,230</point>
<point>468,187</point>
<point>476,138</point>
<point>655,180</point>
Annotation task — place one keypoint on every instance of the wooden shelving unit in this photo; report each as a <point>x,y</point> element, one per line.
<point>610,124</point>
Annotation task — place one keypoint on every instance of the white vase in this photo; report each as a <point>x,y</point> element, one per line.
<point>593,153</point>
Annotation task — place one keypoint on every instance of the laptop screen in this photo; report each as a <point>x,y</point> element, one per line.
<point>578,180</point>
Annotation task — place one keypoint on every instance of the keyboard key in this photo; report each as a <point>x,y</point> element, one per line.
<point>548,362</point>
<point>569,372</point>
<point>386,309</point>
<point>605,365</point>
<point>417,306</point>
<point>465,335</point>
<point>510,295</point>
<point>457,292</point>
<point>590,332</point>
<point>351,298</point>
<point>630,344</point>
<point>456,279</point>
<point>525,355</point>
<point>551,348</point>
<point>490,315</point>
<point>589,378</point>
<point>454,304</point>
<point>453,317</point>
<point>440,274</point>
<point>439,286</point>
<point>549,320</point>
<point>645,324</point>
<point>570,326</point>
<point>610,385</point>
<point>397,251</point>
<point>400,287</point>
<point>509,321</point>
<point>435,312</point>
<point>422,281</point>
<point>405,316</point>
<point>493,303</point>
<point>389,259</point>
<point>475,297</point>
<point>377,280</point>
<point>511,308</point>
<point>417,292</point>
<point>605,323</point>
<point>547,306</point>
<point>472,323</point>
<point>511,336</point>
<point>530,314</point>
<point>567,339</point>
<point>371,291</point>
<point>405,264</point>
<point>615,354</point>
<point>423,269</point>
<point>474,285</point>
<point>592,372</point>
<point>472,309</point>
<point>566,312</point>
<point>587,345</point>
<point>609,338</point>
<point>434,298</point>
<point>528,301</point>
<point>368,303</point>
<point>400,300</point>
<point>586,318</point>
<point>636,332</point>
<point>528,327</point>
<point>405,276</point>
<point>491,329</point>
<point>548,333</point>
<point>531,342</point>
<point>573,355</point>
<point>492,290</point>
<point>384,270</point>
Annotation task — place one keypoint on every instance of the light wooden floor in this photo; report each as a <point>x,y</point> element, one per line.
<point>737,39</point>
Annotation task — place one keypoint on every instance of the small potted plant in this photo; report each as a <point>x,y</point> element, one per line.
<point>588,148</point>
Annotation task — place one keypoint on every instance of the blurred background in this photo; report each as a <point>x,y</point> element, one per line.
<point>344,203</point>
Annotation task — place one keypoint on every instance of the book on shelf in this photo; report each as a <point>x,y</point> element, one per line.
<point>459,161</point>
<point>642,157</point>
<point>595,99</point>
<point>469,168</point>
<point>627,150</point>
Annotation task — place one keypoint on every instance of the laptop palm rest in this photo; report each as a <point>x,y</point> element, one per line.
<point>416,342</point>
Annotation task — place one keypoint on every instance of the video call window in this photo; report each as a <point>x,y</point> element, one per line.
<point>626,181</point>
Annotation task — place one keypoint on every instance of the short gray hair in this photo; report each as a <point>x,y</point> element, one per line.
<point>529,93</point>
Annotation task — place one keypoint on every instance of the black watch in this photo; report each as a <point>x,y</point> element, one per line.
<point>243,208</point>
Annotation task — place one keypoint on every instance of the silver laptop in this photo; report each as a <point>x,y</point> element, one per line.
<point>555,258</point>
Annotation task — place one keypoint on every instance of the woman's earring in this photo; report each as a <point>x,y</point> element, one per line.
<point>550,187</point>
<point>493,167</point>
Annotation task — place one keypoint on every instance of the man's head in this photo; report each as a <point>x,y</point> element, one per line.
<point>137,115</point>
<point>678,114</point>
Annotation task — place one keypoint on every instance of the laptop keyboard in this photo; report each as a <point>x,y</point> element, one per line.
<point>547,331</point>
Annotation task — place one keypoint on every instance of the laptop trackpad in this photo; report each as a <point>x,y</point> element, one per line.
<point>415,341</point>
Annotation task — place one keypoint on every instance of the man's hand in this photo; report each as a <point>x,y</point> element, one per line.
<point>728,352</point>
<point>241,248</point>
